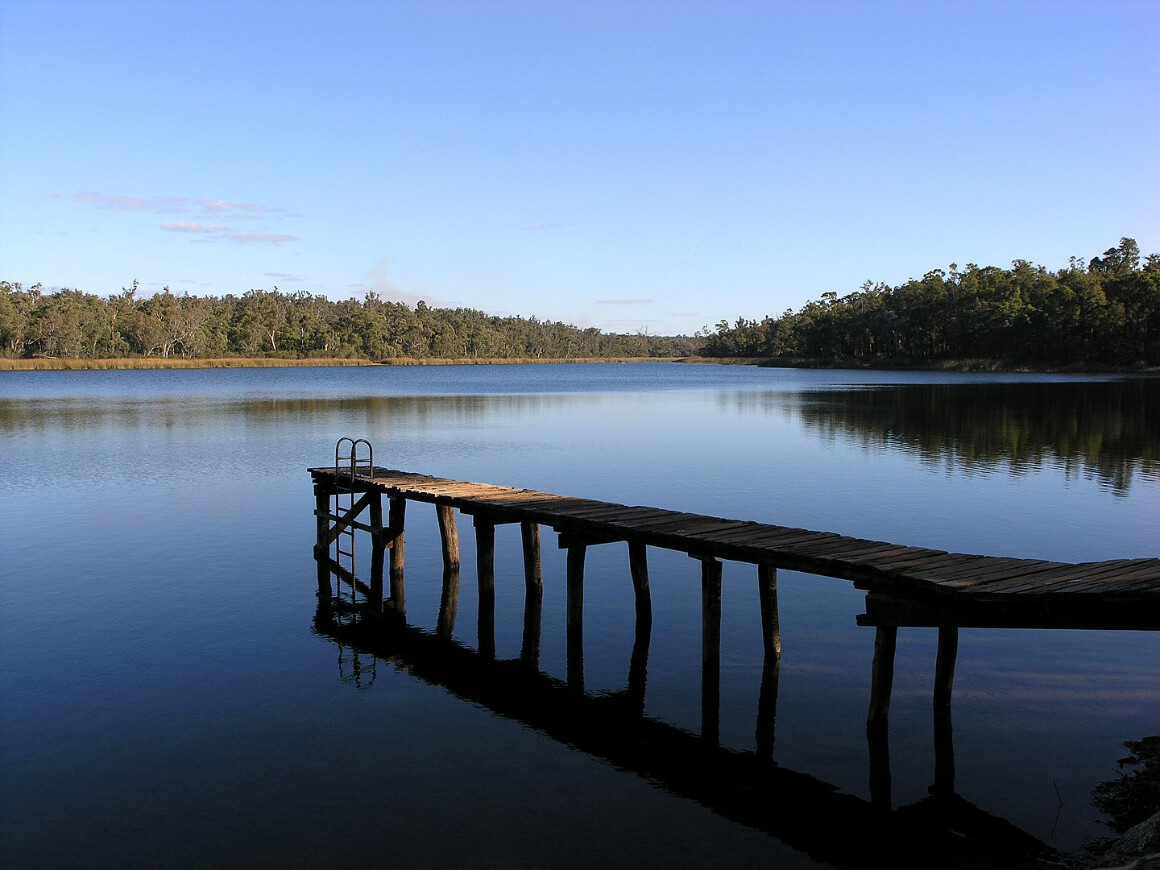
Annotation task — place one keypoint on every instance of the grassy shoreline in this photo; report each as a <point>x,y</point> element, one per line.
<point>144,363</point>
<point>128,363</point>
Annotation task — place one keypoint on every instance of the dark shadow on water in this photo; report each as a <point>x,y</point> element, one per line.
<point>747,787</point>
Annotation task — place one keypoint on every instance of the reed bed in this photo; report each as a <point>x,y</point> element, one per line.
<point>54,364</point>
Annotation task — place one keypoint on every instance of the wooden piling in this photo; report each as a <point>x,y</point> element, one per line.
<point>944,754</point>
<point>881,783</point>
<point>533,571</point>
<point>448,604</point>
<point>485,577</point>
<point>533,617</point>
<point>533,594</point>
<point>449,536</point>
<point>944,677</point>
<point>770,623</point>
<point>638,666</point>
<point>378,545</point>
<point>575,615</point>
<point>638,567</point>
<point>944,666</point>
<point>710,650</point>
<point>397,520</point>
<point>322,546</point>
<point>882,677</point>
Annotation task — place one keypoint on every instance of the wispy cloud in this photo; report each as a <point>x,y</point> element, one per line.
<point>206,232</point>
<point>213,232</point>
<point>245,237</point>
<point>165,204</point>
<point>283,276</point>
<point>625,301</point>
<point>182,227</point>
<point>224,206</point>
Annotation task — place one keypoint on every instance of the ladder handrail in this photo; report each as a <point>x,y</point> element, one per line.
<point>356,466</point>
<point>355,462</point>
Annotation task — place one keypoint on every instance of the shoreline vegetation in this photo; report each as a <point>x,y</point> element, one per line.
<point>163,363</point>
<point>125,363</point>
<point>1101,315</point>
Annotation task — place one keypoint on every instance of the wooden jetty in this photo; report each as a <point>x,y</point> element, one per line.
<point>906,586</point>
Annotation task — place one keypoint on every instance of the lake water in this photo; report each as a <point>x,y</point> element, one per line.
<point>165,699</point>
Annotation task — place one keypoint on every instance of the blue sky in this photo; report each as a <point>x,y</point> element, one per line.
<point>629,165</point>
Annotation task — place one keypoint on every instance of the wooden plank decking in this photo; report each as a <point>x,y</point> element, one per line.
<point>877,566</point>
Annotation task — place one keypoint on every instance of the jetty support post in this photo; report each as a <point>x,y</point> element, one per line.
<point>322,496</point>
<point>882,677</point>
<point>944,748</point>
<point>533,593</point>
<point>448,604</point>
<point>449,536</point>
<point>767,709</point>
<point>944,666</point>
<point>642,636</point>
<point>638,566</point>
<point>378,550</point>
<point>771,661</point>
<point>485,577</point>
<point>710,650</point>
<point>770,622</point>
<point>877,720</point>
<point>577,549</point>
<point>396,520</point>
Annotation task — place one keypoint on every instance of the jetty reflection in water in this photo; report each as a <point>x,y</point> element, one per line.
<point>747,787</point>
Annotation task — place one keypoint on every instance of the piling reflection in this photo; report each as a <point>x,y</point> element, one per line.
<point>748,787</point>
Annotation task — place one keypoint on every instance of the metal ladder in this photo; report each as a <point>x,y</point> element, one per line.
<point>349,463</point>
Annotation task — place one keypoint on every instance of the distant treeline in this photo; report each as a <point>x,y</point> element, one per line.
<point>1106,311</point>
<point>260,323</point>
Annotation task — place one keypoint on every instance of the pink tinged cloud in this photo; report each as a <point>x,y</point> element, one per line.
<point>240,237</point>
<point>181,227</point>
<point>247,238</point>
<point>222,205</point>
<point>133,203</point>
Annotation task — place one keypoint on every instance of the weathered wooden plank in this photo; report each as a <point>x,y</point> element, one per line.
<point>635,514</point>
<point>972,578</point>
<point>910,558</point>
<point>875,557</point>
<point>742,535</point>
<point>1061,575</point>
<point>1076,586</point>
<point>732,530</point>
<point>852,550</point>
<point>782,538</point>
<point>659,524</point>
<point>1067,574</point>
<point>817,544</point>
<point>962,565</point>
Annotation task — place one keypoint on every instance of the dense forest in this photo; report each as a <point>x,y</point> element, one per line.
<point>1102,312</point>
<point>1106,312</point>
<point>71,324</point>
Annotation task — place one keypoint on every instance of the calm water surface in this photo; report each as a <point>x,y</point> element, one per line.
<point>164,700</point>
